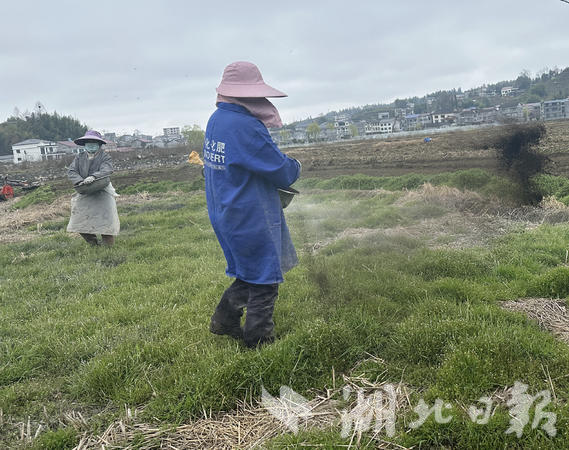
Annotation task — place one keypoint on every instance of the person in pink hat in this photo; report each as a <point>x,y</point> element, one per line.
<point>243,170</point>
<point>93,207</point>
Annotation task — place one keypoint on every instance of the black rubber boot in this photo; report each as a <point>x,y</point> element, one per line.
<point>234,331</point>
<point>259,325</point>
<point>227,317</point>
<point>90,238</point>
<point>108,239</point>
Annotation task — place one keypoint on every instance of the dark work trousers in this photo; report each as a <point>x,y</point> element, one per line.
<point>259,299</point>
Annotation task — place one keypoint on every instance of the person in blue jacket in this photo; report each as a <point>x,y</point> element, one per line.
<point>243,169</point>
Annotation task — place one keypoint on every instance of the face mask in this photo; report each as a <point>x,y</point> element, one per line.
<point>91,147</point>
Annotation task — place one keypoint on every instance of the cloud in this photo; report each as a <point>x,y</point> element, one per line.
<point>144,65</point>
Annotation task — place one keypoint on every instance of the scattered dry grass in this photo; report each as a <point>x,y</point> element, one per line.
<point>445,196</point>
<point>453,230</point>
<point>252,425</point>
<point>471,221</point>
<point>551,314</point>
<point>247,427</point>
<point>15,223</point>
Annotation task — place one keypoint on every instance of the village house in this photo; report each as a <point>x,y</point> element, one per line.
<point>508,91</point>
<point>482,91</point>
<point>160,141</point>
<point>342,126</point>
<point>167,142</point>
<point>381,127</point>
<point>511,113</point>
<point>32,150</point>
<point>489,115</point>
<point>469,116</point>
<point>555,109</point>
<point>67,147</point>
<point>172,132</point>
<point>141,143</point>
<point>442,118</point>
<point>531,111</point>
<point>416,121</point>
<point>327,131</point>
<point>520,112</point>
<point>402,112</point>
<point>299,134</point>
<point>125,140</point>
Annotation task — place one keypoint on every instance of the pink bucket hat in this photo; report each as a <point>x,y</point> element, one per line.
<point>243,79</point>
<point>91,135</point>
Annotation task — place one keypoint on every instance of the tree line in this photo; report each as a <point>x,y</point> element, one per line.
<point>51,127</point>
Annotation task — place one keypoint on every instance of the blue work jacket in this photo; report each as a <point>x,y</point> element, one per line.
<point>243,169</point>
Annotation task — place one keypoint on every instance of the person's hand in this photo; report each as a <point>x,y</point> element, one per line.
<point>89,180</point>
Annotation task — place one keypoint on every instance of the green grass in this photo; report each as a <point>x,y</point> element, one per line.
<point>476,180</point>
<point>551,185</point>
<point>473,179</point>
<point>57,440</point>
<point>93,329</point>
<point>163,186</point>
<point>41,195</point>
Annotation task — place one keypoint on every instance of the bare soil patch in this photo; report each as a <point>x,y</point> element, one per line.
<point>458,150</point>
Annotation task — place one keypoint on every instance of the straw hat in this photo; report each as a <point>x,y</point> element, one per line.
<point>91,135</point>
<point>243,79</point>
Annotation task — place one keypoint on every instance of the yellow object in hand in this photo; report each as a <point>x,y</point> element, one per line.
<point>194,158</point>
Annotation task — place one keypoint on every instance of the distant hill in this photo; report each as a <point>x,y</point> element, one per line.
<point>547,85</point>
<point>51,127</point>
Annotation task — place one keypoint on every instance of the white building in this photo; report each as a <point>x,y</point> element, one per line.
<point>508,91</point>
<point>167,142</point>
<point>555,109</point>
<point>172,132</point>
<point>413,122</point>
<point>342,126</point>
<point>441,117</point>
<point>35,150</point>
<point>383,126</point>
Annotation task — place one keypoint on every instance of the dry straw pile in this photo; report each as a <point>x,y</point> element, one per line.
<point>250,426</point>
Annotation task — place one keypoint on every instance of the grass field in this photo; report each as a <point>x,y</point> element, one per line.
<point>399,282</point>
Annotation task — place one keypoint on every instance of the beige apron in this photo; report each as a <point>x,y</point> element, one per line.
<point>95,213</point>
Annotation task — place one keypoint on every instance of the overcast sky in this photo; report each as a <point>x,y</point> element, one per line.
<point>122,65</point>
